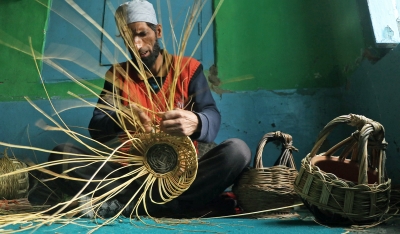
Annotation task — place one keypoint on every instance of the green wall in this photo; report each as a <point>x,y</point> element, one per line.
<point>19,21</point>
<point>281,44</point>
<point>18,74</point>
<point>287,44</point>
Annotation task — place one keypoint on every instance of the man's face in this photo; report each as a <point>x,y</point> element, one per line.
<point>145,41</point>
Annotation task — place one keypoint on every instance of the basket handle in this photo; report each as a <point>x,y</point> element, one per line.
<point>286,157</point>
<point>369,133</point>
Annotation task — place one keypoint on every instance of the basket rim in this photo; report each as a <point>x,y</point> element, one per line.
<point>368,131</point>
<point>332,179</point>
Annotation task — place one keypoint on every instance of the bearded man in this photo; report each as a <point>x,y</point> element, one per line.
<point>195,115</point>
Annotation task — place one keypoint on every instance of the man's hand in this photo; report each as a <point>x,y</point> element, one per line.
<point>141,115</point>
<point>179,122</point>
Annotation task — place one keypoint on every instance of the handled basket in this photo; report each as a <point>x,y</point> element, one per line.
<point>350,188</point>
<point>262,188</point>
<point>13,186</point>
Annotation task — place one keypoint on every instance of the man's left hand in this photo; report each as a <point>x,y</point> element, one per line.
<point>179,122</point>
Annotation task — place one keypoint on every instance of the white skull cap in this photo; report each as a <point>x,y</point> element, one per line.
<point>138,11</point>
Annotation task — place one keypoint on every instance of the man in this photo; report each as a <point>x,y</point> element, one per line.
<point>195,115</point>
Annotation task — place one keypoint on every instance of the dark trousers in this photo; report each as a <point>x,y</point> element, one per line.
<point>217,170</point>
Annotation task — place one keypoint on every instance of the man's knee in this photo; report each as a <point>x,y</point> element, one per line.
<point>55,156</point>
<point>64,150</point>
<point>236,151</point>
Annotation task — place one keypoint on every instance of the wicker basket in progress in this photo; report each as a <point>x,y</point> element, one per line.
<point>262,188</point>
<point>351,188</point>
<point>13,186</point>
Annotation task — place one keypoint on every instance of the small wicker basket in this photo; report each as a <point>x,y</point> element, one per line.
<point>262,188</point>
<point>13,186</point>
<point>338,190</point>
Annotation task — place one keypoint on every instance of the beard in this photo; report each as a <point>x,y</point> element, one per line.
<point>151,59</point>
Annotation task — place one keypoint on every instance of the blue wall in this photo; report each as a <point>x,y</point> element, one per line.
<point>245,115</point>
<point>300,113</point>
<point>18,126</point>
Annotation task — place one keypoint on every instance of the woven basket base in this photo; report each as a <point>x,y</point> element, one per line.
<point>255,199</point>
<point>328,218</point>
<point>334,200</point>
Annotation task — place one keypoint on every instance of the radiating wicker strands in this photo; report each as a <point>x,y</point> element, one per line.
<point>338,189</point>
<point>168,179</point>
<point>13,186</point>
<point>178,178</point>
<point>263,188</point>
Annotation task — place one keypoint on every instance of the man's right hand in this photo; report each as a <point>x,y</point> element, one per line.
<point>141,115</point>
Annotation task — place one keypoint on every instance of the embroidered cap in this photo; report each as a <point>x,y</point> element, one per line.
<point>138,11</point>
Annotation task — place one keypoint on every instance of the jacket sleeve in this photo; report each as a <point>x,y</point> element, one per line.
<point>102,126</point>
<point>204,107</point>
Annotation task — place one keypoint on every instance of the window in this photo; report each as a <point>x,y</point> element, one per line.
<point>385,22</point>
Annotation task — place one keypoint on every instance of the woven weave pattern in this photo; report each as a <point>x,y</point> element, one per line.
<point>353,186</point>
<point>170,149</point>
<point>13,186</point>
<point>171,160</point>
<point>262,188</point>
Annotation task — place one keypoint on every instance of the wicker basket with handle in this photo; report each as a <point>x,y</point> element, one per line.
<point>262,188</point>
<point>13,186</point>
<point>350,188</point>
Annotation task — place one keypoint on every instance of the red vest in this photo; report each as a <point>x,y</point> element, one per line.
<point>134,89</point>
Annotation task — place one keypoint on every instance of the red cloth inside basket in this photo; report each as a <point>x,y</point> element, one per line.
<point>345,170</point>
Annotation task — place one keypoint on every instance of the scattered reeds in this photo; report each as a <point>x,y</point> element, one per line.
<point>170,184</point>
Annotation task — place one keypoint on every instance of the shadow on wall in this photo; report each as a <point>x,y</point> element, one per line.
<point>373,91</point>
